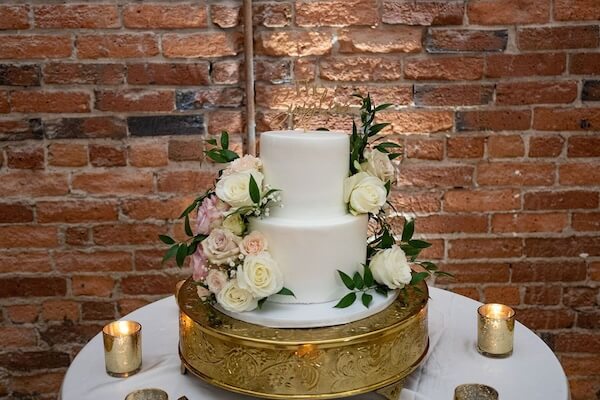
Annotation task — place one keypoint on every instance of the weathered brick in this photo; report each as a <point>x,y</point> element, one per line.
<point>562,37</point>
<point>452,223</point>
<point>536,92</point>
<point>50,102</point>
<point>23,313</point>
<point>225,15</point>
<point>482,200</point>
<point>26,262</point>
<point>453,95</point>
<point>4,102</point>
<point>465,40</point>
<point>32,287</point>
<point>585,174</point>
<point>520,222</point>
<point>60,310</point>
<point>503,12</point>
<point>38,383</point>
<point>76,236</point>
<point>419,121</point>
<point>572,246</point>
<point>444,68</point>
<point>485,248</point>
<point>360,69</point>
<point>213,44</point>
<point>19,75</point>
<point>545,146</point>
<point>14,16</point>
<point>590,91</point>
<point>502,294</point>
<point>478,272</point>
<point>465,146</point>
<point>272,15</point>
<point>416,202</point>
<point>423,12</point>
<point>125,306</point>
<point>400,39</point>
<point>336,13</point>
<point>77,73</point>
<point>15,213</point>
<point>28,236</point>
<point>76,211</point>
<point>92,261</point>
<point>155,208</point>
<point>560,200</point>
<point>35,46</point>
<point>576,342</point>
<point>293,43</point>
<point>113,182</point>
<point>231,121</point>
<point>168,74</point>
<point>584,63</point>
<point>103,155</point>
<point>185,150</point>
<point>106,235</point>
<point>25,157</point>
<point>149,154</point>
<point>543,295</point>
<point>33,183</point>
<point>546,319</point>
<point>576,10</point>
<point>505,146</point>
<point>192,182</point>
<point>512,65</point>
<point>588,319</point>
<point>435,176</point>
<point>548,272</point>
<point>493,120</point>
<point>580,296</point>
<point>566,119</point>
<point>94,311</point>
<point>425,149</point>
<point>586,222</point>
<point>72,16</point>
<point>166,125</point>
<point>164,16</point>
<point>67,155</point>
<point>135,100</point>
<point>68,333</point>
<point>515,173</point>
<point>305,70</point>
<point>209,98</point>
<point>85,128</point>
<point>227,72</point>
<point>117,45</point>
<point>88,285</point>
<point>30,360</point>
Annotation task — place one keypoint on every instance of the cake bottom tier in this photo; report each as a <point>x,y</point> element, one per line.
<point>309,252</point>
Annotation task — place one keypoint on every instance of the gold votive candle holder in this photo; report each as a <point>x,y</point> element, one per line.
<point>475,391</point>
<point>122,348</point>
<point>148,394</point>
<point>495,330</point>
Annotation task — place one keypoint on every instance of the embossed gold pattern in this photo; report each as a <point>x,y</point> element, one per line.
<point>328,362</point>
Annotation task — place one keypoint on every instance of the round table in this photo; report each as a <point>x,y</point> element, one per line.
<point>532,372</point>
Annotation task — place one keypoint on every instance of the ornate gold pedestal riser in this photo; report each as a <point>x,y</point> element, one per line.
<point>374,353</point>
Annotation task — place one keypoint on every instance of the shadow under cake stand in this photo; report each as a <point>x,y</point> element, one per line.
<point>371,354</point>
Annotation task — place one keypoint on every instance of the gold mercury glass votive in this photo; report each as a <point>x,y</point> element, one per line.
<point>122,348</point>
<point>495,330</point>
<point>474,391</point>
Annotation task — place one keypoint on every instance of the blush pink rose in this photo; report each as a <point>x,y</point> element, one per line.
<point>253,244</point>
<point>210,215</point>
<point>246,163</point>
<point>215,280</point>
<point>199,265</point>
<point>203,293</point>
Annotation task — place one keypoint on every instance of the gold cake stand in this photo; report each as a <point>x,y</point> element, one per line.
<point>372,354</point>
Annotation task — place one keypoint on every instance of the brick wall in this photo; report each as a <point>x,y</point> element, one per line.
<point>104,107</point>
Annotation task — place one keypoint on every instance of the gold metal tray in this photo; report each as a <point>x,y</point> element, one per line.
<point>338,361</point>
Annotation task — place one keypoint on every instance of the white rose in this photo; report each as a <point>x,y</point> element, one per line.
<point>234,188</point>
<point>378,164</point>
<point>221,246</point>
<point>243,164</point>
<point>364,193</point>
<point>253,243</point>
<point>215,280</point>
<point>235,224</point>
<point>235,299</point>
<point>260,274</point>
<point>390,268</point>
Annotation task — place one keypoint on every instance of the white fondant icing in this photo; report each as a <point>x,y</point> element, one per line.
<point>278,315</point>
<point>310,251</point>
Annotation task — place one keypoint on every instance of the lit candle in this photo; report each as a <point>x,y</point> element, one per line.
<point>122,348</point>
<point>495,330</point>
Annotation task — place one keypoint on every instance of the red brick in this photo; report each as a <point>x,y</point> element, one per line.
<point>504,12</point>
<point>505,146</point>
<point>419,121</point>
<point>425,149</point>
<point>35,46</point>
<point>494,120</point>
<point>25,157</point>
<point>107,155</point>
<point>576,10</point>
<point>576,342</point>
<point>164,16</point>
<point>95,311</point>
<point>212,44</point>
<point>231,121</point>
<point>88,285</point>
<point>142,154</point>
<point>305,70</point>
<point>45,382</point>
<point>14,17</point>
<point>186,150</point>
<point>595,271</point>
<point>588,364</point>
<point>31,360</point>
<point>502,294</point>
<point>106,235</point>
<point>435,176</point>
<point>184,181</point>
<point>72,16</point>
<point>336,13</point>
<point>550,222</point>
<point>210,98</point>
<point>545,146</point>
<point>560,200</point>
<point>509,65</point>
<point>465,146</point>
<point>586,222</point>
<point>20,130</point>
<point>543,295</point>
<point>135,100</point>
<point>562,37</point>
<point>23,313</point>
<point>33,183</point>
<point>521,174</point>
<point>426,202</point>
<point>77,73</point>
<point>536,92</point>
<point>469,292</point>
<point>19,75</point>
<point>60,310</point>
<point>360,69</point>
<point>584,63</point>
<point>149,284</point>
<point>482,200</point>
<point>67,155</point>
<point>168,74</point>
<point>85,128</point>
<point>117,45</point>
<point>580,174</point>
<point>225,15</point>
<point>155,208</point>
<point>485,248</point>
<point>4,103</point>
<point>25,262</point>
<point>28,236</point>
<point>452,223</point>
<point>293,43</point>
<point>583,146</point>
<point>588,319</point>
<point>563,271</point>
<point>272,15</point>
<point>423,12</point>
<point>125,306</point>
<point>113,182</point>
<point>76,236</point>
<point>227,72</point>
<point>535,318</point>
<point>400,39</point>
<point>151,260</point>
<point>580,296</point>
<point>32,287</point>
<point>566,119</point>
<point>444,68</point>
<point>92,261</point>
<point>465,40</point>
<point>60,335</point>
<point>590,91</point>
<point>436,251</point>
<point>50,102</point>
<point>453,95</point>
<point>76,211</point>
<point>17,337</point>
<point>573,246</point>
<point>15,213</point>
<point>477,272</point>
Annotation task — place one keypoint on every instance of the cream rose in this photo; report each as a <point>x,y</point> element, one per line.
<point>221,246</point>
<point>364,193</point>
<point>390,268</point>
<point>243,164</point>
<point>260,275</point>
<point>234,188</point>
<point>378,164</point>
<point>235,299</point>
<point>215,280</point>
<point>253,244</point>
<point>235,224</point>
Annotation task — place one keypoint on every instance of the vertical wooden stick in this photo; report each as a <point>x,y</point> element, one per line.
<point>249,62</point>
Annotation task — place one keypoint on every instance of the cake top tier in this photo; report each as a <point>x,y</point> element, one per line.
<point>309,168</point>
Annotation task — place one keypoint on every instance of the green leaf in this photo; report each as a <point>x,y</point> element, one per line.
<point>374,130</point>
<point>358,281</point>
<point>192,248</point>
<point>368,276</point>
<point>409,250</point>
<point>418,277</point>
<point>382,290</point>
<point>420,244</point>
<point>322,129</point>
<point>188,228</point>
<point>382,107</point>
<point>389,145</point>
<point>216,156</point>
<point>348,282</point>
<point>211,141</point>
<point>286,292</point>
<point>170,253</point>
<point>254,191</point>
<point>394,156</point>
<point>199,238</point>
<point>181,254</point>
<point>388,187</point>
<point>230,155</point>
<point>444,273</point>
<point>366,299</point>
<point>261,302</point>
<point>429,266</point>
<point>190,208</point>
<point>346,301</point>
<point>409,230</point>
<point>224,140</point>
<point>387,240</point>
<point>166,239</point>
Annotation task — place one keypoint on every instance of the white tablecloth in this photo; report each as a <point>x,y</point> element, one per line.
<point>532,372</point>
